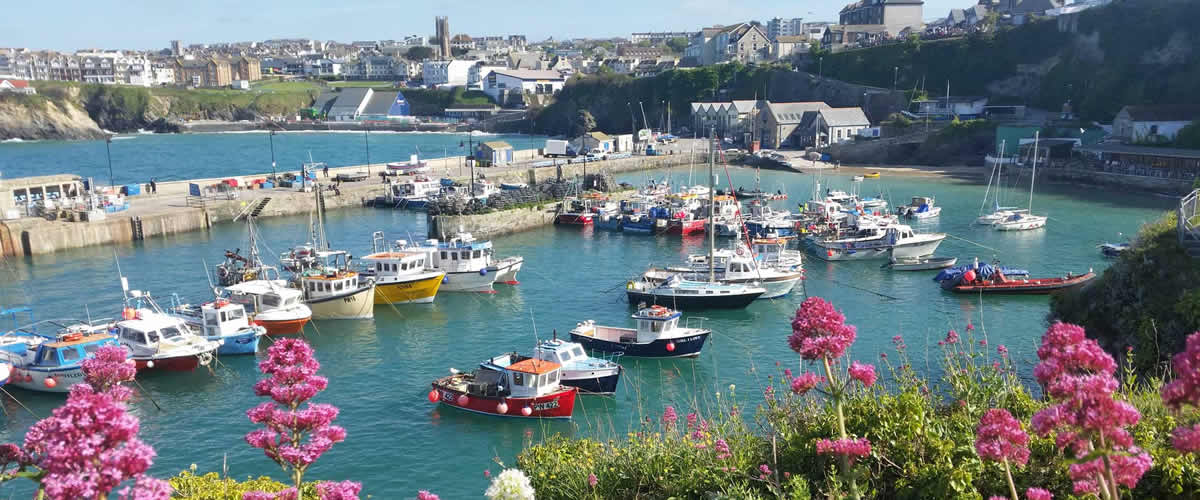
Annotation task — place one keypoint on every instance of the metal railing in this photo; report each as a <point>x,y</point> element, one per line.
<point>1188,223</point>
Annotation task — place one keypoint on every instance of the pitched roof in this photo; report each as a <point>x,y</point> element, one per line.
<point>497,145</point>
<point>599,136</point>
<point>380,103</point>
<point>1163,113</point>
<point>19,84</point>
<point>844,117</point>
<point>350,97</point>
<point>744,106</point>
<point>530,74</point>
<point>793,112</point>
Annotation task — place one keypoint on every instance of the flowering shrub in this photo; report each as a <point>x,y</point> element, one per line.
<point>89,446</point>
<point>1184,392</point>
<point>511,484</point>
<point>293,380</point>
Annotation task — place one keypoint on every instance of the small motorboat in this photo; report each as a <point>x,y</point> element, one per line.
<point>985,278</point>
<point>49,361</point>
<point>922,207</point>
<point>590,375</point>
<point>222,321</point>
<point>692,295</point>
<point>1113,249</point>
<point>921,264</point>
<point>159,341</point>
<point>871,175</point>
<point>658,335</point>
<point>857,178</point>
<point>509,385</point>
<point>272,304</point>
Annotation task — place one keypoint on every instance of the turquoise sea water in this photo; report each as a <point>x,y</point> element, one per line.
<point>380,370</point>
<point>171,157</point>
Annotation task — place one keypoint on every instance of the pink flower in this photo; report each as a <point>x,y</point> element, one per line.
<point>421,495</point>
<point>864,373</point>
<point>722,449</point>
<point>852,449</point>
<point>766,471</point>
<point>107,368</point>
<point>820,331</point>
<point>970,327</point>
<point>1185,389</point>
<point>348,490</point>
<point>806,382</point>
<point>999,437</point>
<point>1003,351</point>
<point>787,373</point>
<point>592,480</point>
<point>769,393</point>
<point>1038,494</point>
<point>983,342</point>
<point>951,337</point>
<point>669,418</point>
<point>883,355</point>
<point>146,488</point>
<point>487,473</point>
<point>1186,439</point>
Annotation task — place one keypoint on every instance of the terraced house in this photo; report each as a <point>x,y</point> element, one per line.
<point>893,15</point>
<point>743,42</point>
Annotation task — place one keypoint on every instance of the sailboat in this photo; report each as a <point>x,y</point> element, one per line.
<point>999,213</point>
<point>678,293</point>
<point>1025,221</point>
<point>331,289</point>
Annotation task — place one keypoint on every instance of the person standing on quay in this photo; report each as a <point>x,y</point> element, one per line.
<point>153,186</point>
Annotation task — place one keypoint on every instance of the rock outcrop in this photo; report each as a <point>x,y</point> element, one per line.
<point>36,117</point>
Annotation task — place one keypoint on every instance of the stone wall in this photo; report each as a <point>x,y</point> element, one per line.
<point>1118,181</point>
<point>490,225</point>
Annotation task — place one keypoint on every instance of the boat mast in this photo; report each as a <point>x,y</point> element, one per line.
<point>1033,175</point>
<point>712,219</point>
<point>991,177</point>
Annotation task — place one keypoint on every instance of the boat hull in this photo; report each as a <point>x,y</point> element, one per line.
<point>242,343</point>
<point>685,228</point>
<point>560,404</point>
<point>1040,286</point>
<point>467,281</point>
<point>693,302</point>
<point>923,264</point>
<point>185,363</point>
<point>592,381</point>
<point>907,251</point>
<point>34,379</point>
<point>506,269</point>
<point>282,326</point>
<point>1027,224</point>
<point>359,304</point>
<point>684,347</point>
<point>574,219</point>
<point>414,291</point>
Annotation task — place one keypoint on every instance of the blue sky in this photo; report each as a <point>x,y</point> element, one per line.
<point>149,24</point>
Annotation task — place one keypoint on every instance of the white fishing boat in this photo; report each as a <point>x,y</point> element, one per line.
<point>869,237</point>
<point>160,341</point>
<point>774,252</point>
<point>332,290</point>
<point>470,265</point>
<point>48,355</point>
<point>272,304</point>
<point>590,375</point>
<point>413,194</point>
<point>922,207</point>
<point>921,264</point>
<point>1025,221</point>
<point>222,321</point>
<point>414,165</point>
<point>736,265</point>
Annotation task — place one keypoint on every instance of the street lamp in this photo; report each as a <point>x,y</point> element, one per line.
<point>108,154</point>
<point>367,147</point>
<point>272,139</point>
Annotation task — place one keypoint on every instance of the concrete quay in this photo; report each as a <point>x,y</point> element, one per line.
<point>171,210</point>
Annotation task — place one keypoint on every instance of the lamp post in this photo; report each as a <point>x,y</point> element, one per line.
<point>821,67</point>
<point>895,76</point>
<point>108,154</point>
<point>367,147</point>
<point>272,139</point>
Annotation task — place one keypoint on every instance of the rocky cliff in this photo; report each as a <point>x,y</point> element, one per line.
<point>39,117</point>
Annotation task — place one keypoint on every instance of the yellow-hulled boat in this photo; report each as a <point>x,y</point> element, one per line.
<point>872,175</point>
<point>401,278</point>
<point>334,292</point>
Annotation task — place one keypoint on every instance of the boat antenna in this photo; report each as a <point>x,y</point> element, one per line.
<point>533,320</point>
<point>124,281</point>
<point>712,202</point>
<point>207,276</point>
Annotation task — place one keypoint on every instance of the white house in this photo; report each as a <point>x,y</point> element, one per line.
<point>502,82</point>
<point>727,119</point>
<point>16,87</point>
<point>834,125</point>
<point>1153,124</point>
<point>349,104</point>
<point>322,67</point>
<point>952,106</point>
<point>446,73</point>
<point>477,73</point>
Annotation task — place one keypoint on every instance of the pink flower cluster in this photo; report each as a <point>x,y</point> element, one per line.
<point>951,337</point>
<point>342,490</point>
<point>1185,391</point>
<point>107,369</point>
<point>806,382</point>
<point>1038,494</point>
<point>862,372</point>
<point>1186,439</point>
<point>669,417</point>
<point>88,446</point>
<point>293,380</point>
<point>850,448</point>
<point>820,331</point>
<point>1078,376</point>
<point>722,449</point>
<point>592,481</point>
<point>999,437</point>
<point>425,495</point>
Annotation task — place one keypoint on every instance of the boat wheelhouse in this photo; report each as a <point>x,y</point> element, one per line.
<point>45,356</point>
<point>413,194</point>
<point>272,304</point>
<point>333,291</point>
<point>509,385</point>
<point>222,321</point>
<point>590,375</point>
<point>159,341</point>
<point>401,277</point>
<point>657,335</point>
<point>922,207</point>
<point>869,237</point>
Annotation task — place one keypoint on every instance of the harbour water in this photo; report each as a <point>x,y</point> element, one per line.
<point>380,370</point>
<point>171,157</point>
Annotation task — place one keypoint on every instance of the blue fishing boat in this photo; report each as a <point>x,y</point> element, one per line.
<point>608,222</point>
<point>222,321</point>
<point>637,224</point>
<point>590,375</point>
<point>658,335</point>
<point>48,355</point>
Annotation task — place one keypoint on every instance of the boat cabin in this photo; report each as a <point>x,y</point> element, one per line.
<point>71,349</point>
<point>222,318</point>
<point>386,267</point>
<point>330,277</point>
<point>521,376</point>
<point>563,353</point>
<point>726,206</point>
<point>419,188</point>
<point>261,296</point>
<point>142,335</point>
<point>653,321</point>
<point>461,254</point>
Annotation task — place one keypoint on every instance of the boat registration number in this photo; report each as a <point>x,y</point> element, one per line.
<point>548,405</point>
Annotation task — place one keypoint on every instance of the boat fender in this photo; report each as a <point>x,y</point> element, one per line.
<point>629,285</point>
<point>463,400</point>
<point>502,408</point>
<point>483,272</point>
<point>670,347</point>
<point>50,382</point>
<point>445,279</point>
<point>527,411</point>
<point>434,396</point>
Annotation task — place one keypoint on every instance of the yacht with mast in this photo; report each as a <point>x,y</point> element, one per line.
<point>1025,221</point>
<point>998,212</point>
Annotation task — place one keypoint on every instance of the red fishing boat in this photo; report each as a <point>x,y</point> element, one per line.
<point>997,283</point>
<point>510,385</point>
<point>685,224</point>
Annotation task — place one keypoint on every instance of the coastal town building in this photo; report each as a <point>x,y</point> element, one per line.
<point>783,47</point>
<point>349,104</point>
<point>445,73</point>
<point>494,153</point>
<point>478,72</point>
<point>894,15</point>
<point>727,119</point>
<point>442,28</point>
<point>658,37</point>
<point>16,87</point>
<point>1153,124</point>
<point>947,108</point>
<point>595,141</point>
<point>634,51</point>
<point>787,124</point>
<point>511,85</point>
<point>742,42</point>
<point>842,36</point>
<point>778,27</point>
<point>384,106</point>
<point>207,72</point>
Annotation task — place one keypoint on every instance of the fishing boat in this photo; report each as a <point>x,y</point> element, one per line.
<point>401,277</point>
<point>922,207</point>
<point>414,165</point>
<point>272,304</point>
<point>1000,284</point>
<point>921,264</point>
<point>871,175</point>
<point>332,290</point>
<point>575,212</point>
<point>160,341</point>
<point>590,375</point>
<point>868,237</point>
<point>1113,249</point>
<point>692,295</point>
<point>657,335</point>
<point>48,355</point>
<point>222,321</point>
<point>412,194</point>
<point>637,224</point>
<point>509,385</point>
<point>774,252</point>
<point>765,222</point>
<point>469,265</point>
<point>735,265</point>
<point>1025,221</point>
<point>513,186</point>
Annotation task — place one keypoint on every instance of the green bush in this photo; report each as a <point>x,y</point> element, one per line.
<point>190,486</point>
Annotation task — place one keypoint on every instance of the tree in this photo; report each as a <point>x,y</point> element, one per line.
<point>1189,136</point>
<point>419,53</point>
<point>584,122</point>
<point>678,44</point>
<point>457,52</point>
